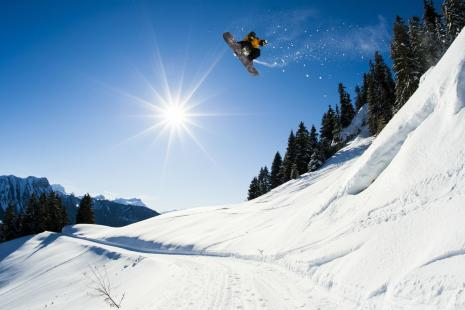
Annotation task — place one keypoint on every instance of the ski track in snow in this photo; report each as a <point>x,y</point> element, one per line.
<point>200,282</point>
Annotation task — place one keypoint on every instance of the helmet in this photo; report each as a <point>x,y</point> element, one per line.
<point>252,34</point>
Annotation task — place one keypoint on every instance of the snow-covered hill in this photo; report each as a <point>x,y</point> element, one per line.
<point>379,226</point>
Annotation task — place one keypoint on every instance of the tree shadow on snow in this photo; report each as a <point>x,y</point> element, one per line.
<point>44,242</point>
<point>9,247</point>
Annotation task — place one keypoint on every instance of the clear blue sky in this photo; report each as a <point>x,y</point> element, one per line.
<point>73,75</point>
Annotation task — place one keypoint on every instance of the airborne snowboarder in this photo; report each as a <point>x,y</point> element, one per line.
<point>251,44</point>
<point>246,50</point>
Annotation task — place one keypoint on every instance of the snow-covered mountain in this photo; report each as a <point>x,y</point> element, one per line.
<point>58,188</point>
<point>17,191</point>
<point>130,202</point>
<point>122,201</point>
<point>379,226</point>
<point>99,197</point>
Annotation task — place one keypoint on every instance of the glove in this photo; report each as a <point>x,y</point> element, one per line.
<point>264,42</point>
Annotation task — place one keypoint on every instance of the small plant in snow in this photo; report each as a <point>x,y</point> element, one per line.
<point>101,286</point>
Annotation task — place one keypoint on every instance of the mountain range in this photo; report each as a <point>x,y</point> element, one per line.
<point>119,212</point>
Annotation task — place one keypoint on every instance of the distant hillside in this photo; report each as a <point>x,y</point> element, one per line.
<point>15,190</point>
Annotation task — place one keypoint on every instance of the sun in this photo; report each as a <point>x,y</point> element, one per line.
<point>172,106</point>
<point>174,115</point>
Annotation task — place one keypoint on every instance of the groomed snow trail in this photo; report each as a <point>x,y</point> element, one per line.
<point>149,281</point>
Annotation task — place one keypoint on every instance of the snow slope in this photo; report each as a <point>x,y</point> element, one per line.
<point>380,226</point>
<point>59,276</point>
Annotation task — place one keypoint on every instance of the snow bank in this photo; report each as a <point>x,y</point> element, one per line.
<point>442,88</point>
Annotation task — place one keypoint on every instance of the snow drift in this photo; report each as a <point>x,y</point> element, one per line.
<point>380,226</point>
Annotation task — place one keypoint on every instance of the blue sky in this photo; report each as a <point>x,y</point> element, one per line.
<point>77,79</point>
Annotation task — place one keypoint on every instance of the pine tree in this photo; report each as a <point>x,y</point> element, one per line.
<point>389,93</point>
<point>254,189</point>
<point>416,33</point>
<point>326,148</point>
<point>52,216</point>
<point>63,216</point>
<point>454,15</point>
<point>264,181</point>
<point>276,177</point>
<point>337,114</point>
<point>347,109</point>
<point>316,160</point>
<point>30,216</point>
<point>313,138</point>
<point>85,214</point>
<point>430,18</point>
<point>327,124</point>
<point>56,213</point>
<point>364,89</point>
<point>303,148</point>
<point>337,127</point>
<point>372,113</point>
<point>42,216</point>
<point>381,95</point>
<point>360,100</point>
<point>294,172</point>
<point>444,40</point>
<point>10,226</point>
<point>404,64</point>
<point>289,158</point>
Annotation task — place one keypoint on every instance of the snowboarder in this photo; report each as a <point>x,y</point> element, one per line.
<point>252,45</point>
<point>246,50</point>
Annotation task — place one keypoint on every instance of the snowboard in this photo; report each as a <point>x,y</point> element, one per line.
<point>236,48</point>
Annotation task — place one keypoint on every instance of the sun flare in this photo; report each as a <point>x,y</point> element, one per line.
<point>173,106</point>
<point>174,115</point>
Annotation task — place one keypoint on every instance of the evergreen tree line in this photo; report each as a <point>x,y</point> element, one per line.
<point>415,47</point>
<point>418,44</point>
<point>306,150</point>
<point>45,213</point>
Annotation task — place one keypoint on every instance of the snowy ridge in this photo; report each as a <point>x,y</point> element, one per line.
<point>130,202</point>
<point>58,188</point>
<point>379,226</point>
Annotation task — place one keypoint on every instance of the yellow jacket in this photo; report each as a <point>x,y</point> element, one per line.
<point>255,42</point>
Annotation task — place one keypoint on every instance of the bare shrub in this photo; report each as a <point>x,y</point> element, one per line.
<point>101,286</point>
